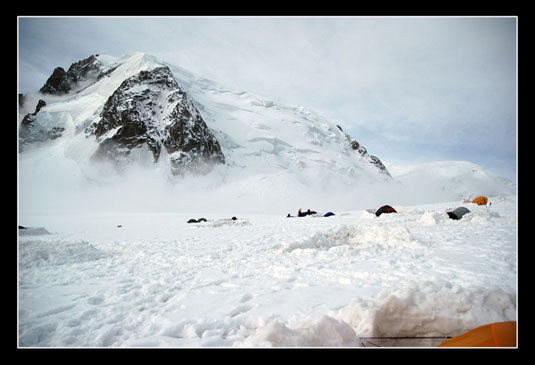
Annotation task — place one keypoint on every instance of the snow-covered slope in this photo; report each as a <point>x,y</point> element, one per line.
<point>271,149</point>
<point>450,180</point>
<point>275,156</point>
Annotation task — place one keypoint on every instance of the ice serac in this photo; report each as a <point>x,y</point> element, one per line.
<point>151,109</point>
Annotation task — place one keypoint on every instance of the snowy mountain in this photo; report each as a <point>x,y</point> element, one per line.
<point>150,109</point>
<point>106,121</point>
<point>453,180</point>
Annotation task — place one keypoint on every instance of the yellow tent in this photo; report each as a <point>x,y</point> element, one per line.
<point>481,200</point>
<point>499,334</point>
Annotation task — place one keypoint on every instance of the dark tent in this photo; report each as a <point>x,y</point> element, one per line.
<point>197,220</point>
<point>458,213</point>
<point>385,209</point>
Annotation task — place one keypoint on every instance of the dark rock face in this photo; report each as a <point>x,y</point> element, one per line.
<point>151,109</point>
<point>29,118</point>
<point>80,75</point>
<point>31,132</point>
<point>56,83</point>
<point>364,153</point>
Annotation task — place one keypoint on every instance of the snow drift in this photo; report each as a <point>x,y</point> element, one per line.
<point>422,309</point>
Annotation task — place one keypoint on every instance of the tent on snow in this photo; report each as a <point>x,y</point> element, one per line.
<point>481,200</point>
<point>498,334</point>
<point>385,209</point>
<point>458,213</point>
<point>197,220</point>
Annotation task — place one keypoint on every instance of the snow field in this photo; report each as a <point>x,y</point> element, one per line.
<point>264,280</point>
<point>93,275</point>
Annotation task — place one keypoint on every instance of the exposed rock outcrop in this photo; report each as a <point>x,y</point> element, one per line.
<point>151,109</point>
<point>361,150</point>
<point>80,75</point>
<point>32,132</point>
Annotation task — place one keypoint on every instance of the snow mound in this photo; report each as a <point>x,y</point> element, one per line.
<point>378,236</point>
<point>428,309</point>
<point>480,216</point>
<point>321,332</point>
<point>432,218</point>
<point>42,253</point>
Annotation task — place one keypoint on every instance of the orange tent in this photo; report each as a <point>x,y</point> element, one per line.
<point>499,334</point>
<point>481,200</point>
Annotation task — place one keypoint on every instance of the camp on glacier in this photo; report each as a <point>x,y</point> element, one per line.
<point>107,257</point>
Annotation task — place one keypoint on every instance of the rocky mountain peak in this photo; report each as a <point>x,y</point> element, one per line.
<point>150,109</point>
<point>79,75</point>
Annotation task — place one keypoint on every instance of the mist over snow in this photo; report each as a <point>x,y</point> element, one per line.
<point>50,182</point>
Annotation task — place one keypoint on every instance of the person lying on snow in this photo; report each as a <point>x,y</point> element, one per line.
<point>308,212</point>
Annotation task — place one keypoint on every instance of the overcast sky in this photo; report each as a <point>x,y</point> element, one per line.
<point>410,89</point>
